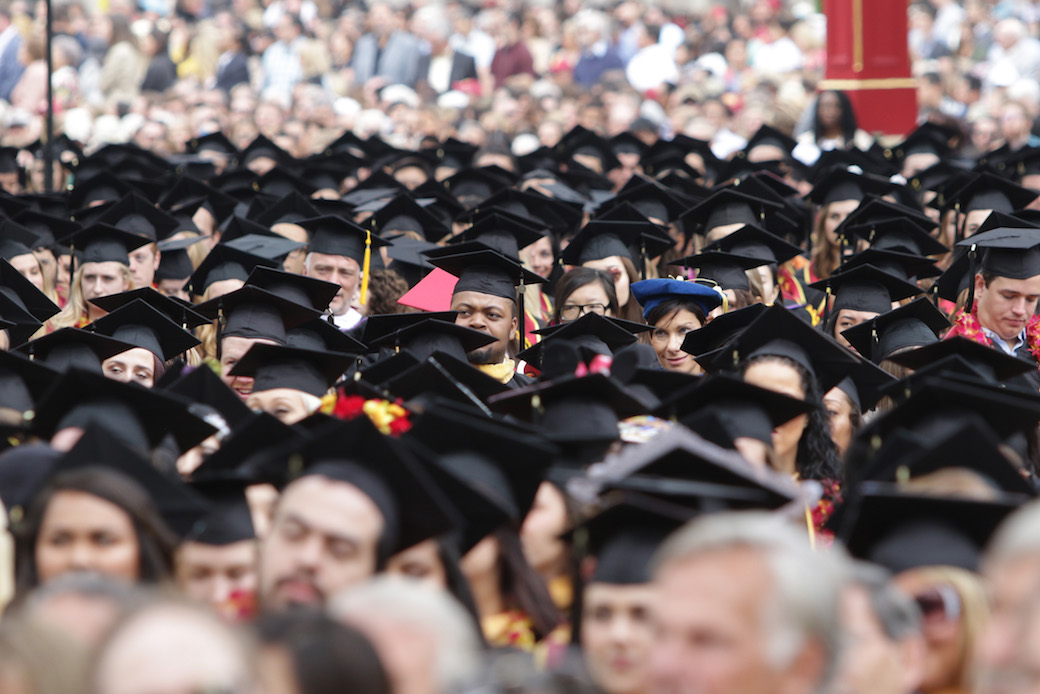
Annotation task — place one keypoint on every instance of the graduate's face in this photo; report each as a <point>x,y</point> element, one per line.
<point>493,315</point>
<point>874,663</point>
<point>667,339</point>
<point>834,214</point>
<point>541,531</point>
<point>135,365</point>
<point>217,574</point>
<point>849,318</point>
<point>539,256</point>
<point>103,279</point>
<point>323,539</point>
<point>1006,305</point>
<point>232,349</point>
<point>782,378</point>
<point>421,563</point>
<point>616,269</point>
<point>143,264</point>
<point>337,269</point>
<point>83,532</point>
<point>839,412</point>
<point>617,635</point>
<point>286,404</point>
<point>28,267</point>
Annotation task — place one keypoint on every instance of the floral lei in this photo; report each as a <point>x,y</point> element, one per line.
<point>967,325</point>
<point>391,418</point>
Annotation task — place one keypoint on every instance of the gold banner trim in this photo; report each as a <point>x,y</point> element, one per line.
<point>879,83</point>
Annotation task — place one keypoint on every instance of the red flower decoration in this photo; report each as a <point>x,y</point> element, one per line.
<point>348,406</point>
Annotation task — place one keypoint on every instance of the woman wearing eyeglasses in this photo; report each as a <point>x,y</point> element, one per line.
<point>584,290</point>
<point>953,611</point>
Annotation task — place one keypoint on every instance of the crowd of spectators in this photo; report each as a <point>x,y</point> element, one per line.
<point>519,74</point>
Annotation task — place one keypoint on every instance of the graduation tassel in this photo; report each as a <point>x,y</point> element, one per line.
<point>642,257</point>
<point>365,267</point>
<point>972,255</point>
<point>522,341</point>
<point>220,327</point>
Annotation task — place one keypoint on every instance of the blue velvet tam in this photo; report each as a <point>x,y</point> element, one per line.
<point>652,293</point>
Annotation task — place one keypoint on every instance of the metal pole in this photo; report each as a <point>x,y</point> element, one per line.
<point>48,150</point>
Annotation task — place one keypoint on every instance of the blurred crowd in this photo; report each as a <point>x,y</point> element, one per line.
<point>518,74</point>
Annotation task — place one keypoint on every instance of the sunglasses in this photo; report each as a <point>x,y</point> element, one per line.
<point>941,603</point>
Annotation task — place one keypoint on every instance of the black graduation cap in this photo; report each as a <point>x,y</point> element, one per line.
<point>865,288</point>
<point>727,206</point>
<point>140,325</point>
<point>187,189</point>
<point>409,260</point>
<point>682,467</point>
<point>486,272</point>
<point>901,531</point>
<point>739,408</point>
<point>212,142</point>
<point>9,160</point>
<point>319,334</point>
<point>865,385</point>
<point>441,377</point>
<point>991,362</point>
<point>228,519</point>
<point>591,334</point>
<point>47,228</point>
<point>972,446</point>
<point>721,330</point>
<point>779,332</point>
<point>178,505</point>
<point>932,178</point>
<point>403,214</point>
<point>68,348</point>
<point>725,270</point>
<point>1007,252</point>
<point>140,217</point>
<point>988,192</point>
<point>599,239</point>
<point>224,263</point>
<point>426,336</point>
<point>140,417</point>
<point>500,233</point>
<point>23,471</point>
<point>769,136</point>
<point>23,382</point>
<point>275,366</point>
<point>907,266</point>
<point>753,241</point>
<point>898,234</point>
<point>572,410</point>
<point>927,138</point>
<point>339,236</point>
<point>915,325</point>
<point>202,386</point>
<point>413,507</point>
<point>382,325</point>
<point>243,456</point>
<point>490,485</point>
<point>307,291</point>
<point>261,147</point>
<point>847,184</point>
<point>270,246</point>
<point>174,261</point>
<point>101,187</point>
<point>280,182</point>
<point>26,301</point>
<point>589,144</point>
<point>101,243</point>
<point>16,240</point>
<point>177,311</point>
<point>256,313</point>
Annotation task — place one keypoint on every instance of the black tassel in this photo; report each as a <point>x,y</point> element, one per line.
<point>522,342</point>
<point>972,256</point>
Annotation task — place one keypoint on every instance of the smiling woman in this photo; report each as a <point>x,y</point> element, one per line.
<point>674,308</point>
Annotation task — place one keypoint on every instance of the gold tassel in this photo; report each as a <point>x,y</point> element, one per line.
<point>809,527</point>
<point>365,266</point>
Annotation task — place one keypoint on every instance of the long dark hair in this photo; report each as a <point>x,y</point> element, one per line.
<point>455,581</point>
<point>521,586</point>
<point>817,456</point>
<point>155,541</point>
<point>327,657</point>
<point>576,278</point>
<point>670,307</point>
<point>848,117</point>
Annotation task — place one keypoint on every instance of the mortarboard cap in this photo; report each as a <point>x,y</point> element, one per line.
<point>425,337</point>
<point>255,313</point>
<point>726,270</point>
<point>174,261</point>
<point>179,312</point>
<point>339,236</point>
<point>202,385</point>
<point>101,243</point>
<point>500,233</point>
<point>486,272</point>
<point>275,366</point>
<point>599,239</point>
<point>228,519</point>
<point>224,263</point>
<point>865,288</point>
<point>134,214</point>
<point>912,326</point>
<point>66,348</point>
<point>307,291</point>
<point>992,363</point>
<point>404,214</point>
<point>139,325</point>
<point>16,240</point>
<point>847,184</point>
<point>778,332</point>
<point>1007,252</point>
<point>986,191</point>
<point>724,207</point>
<point>652,293</point>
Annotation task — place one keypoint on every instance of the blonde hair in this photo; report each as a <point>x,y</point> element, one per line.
<point>76,308</point>
<point>974,612</point>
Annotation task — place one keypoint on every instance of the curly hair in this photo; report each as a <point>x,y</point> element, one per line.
<point>385,287</point>
<point>817,455</point>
